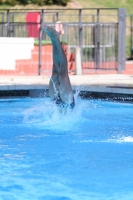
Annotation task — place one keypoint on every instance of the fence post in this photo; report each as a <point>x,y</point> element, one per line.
<point>121,39</point>
<point>79,47</point>
<point>78,62</point>
<point>2,24</point>
<point>13,25</point>
<point>80,28</point>
<point>8,23</point>
<point>97,40</point>
<point>57,16</point>
<point>40,42</point>
<point>131,36</point>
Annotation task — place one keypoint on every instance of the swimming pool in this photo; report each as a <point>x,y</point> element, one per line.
<point>85,154</point>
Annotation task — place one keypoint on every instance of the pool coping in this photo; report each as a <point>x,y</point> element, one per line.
<point>110,84</point>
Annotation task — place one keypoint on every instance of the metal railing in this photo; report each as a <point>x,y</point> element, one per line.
<point>129,37</point>
<point>87,28</point>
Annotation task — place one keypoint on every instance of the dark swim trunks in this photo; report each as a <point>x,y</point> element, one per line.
<point>60,103</point>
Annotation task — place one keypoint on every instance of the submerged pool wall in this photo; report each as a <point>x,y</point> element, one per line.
<point>41,93</point>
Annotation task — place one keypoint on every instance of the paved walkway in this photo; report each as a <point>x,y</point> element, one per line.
<point>113,83</point>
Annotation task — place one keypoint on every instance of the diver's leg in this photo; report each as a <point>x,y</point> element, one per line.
<point>54,85</point>
<point>65,90</point>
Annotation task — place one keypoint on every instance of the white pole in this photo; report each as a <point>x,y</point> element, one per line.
<point>78,61</point>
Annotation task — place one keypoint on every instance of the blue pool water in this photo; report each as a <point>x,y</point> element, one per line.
<point>84,154</point>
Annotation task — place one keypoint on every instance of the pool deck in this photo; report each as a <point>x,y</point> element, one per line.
<point>108,83</point>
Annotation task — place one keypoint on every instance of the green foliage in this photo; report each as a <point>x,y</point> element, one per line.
<point>46,42</point>
<point>88,53</point>
<point>37,2</point>
<point>128,46</point>
<point>8,2</point>
<point>61,2</point>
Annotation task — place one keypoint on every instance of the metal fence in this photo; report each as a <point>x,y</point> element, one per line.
<point>129,37</point>
<point>92,33</point>
<point>95,34</point>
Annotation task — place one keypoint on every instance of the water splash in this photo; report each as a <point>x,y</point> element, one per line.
<point>48,115</point>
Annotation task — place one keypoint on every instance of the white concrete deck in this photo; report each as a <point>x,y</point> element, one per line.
<point>113,83</point>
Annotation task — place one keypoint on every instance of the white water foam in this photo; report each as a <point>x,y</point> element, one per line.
<point>123,139</point>
<point>48,115</point>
